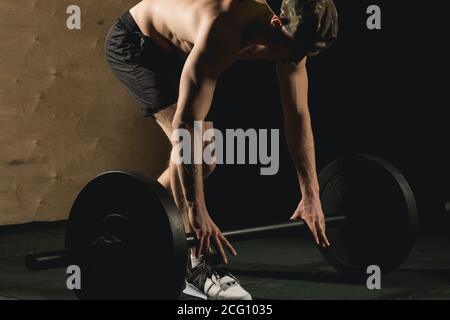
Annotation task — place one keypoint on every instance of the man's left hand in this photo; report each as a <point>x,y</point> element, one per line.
<point>310,211</point>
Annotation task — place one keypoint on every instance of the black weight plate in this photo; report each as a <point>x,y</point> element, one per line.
<point>380,212</point>
<point>141,214</point>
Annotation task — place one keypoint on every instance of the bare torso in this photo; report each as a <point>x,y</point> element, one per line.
<point>175,24</point>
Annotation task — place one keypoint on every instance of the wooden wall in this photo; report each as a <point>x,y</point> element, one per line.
<point>63,116</point>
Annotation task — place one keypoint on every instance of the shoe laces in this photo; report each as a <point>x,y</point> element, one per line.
<point>221,276</point>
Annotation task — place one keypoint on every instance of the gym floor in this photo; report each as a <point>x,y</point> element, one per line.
<point>287,267</point>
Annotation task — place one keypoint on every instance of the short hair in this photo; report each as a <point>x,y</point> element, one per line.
<point>311,20</point>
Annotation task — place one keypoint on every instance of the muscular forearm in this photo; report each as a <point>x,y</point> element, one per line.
<point>192,184</point>
<point>190,168</point>
<point>194,101</point>
<point>300,142</point>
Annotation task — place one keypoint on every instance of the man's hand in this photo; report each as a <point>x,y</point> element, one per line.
<point>310,211</point>
<point>206,230</point>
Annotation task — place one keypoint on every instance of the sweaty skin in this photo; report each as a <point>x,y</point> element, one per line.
<point>211,35</point>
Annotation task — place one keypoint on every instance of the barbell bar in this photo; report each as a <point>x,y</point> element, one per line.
<point>264,231</point>
<point>65,257</point>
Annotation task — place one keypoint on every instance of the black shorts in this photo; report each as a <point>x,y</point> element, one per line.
<point>150,74</point>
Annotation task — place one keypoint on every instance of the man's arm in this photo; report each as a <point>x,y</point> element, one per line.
<point>293,81</point>
<point>213,52</point>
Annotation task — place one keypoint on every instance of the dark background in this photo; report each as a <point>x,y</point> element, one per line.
<point>377,92</point>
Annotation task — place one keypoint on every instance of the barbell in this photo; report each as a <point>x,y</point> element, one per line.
<point>121,221</point>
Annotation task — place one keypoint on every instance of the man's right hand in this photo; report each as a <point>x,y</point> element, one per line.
<point>206,230</point>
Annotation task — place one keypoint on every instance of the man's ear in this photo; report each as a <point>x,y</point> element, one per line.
<point>276,22</point>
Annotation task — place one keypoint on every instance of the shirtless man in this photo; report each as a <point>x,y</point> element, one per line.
<point>169,55</point>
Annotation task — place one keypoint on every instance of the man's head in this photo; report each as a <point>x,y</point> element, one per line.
<point>312,24</point>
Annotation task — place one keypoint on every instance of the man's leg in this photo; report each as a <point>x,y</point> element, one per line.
<point>170,178</point>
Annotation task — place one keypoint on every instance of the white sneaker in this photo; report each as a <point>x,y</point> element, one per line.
<point>212,282</point>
